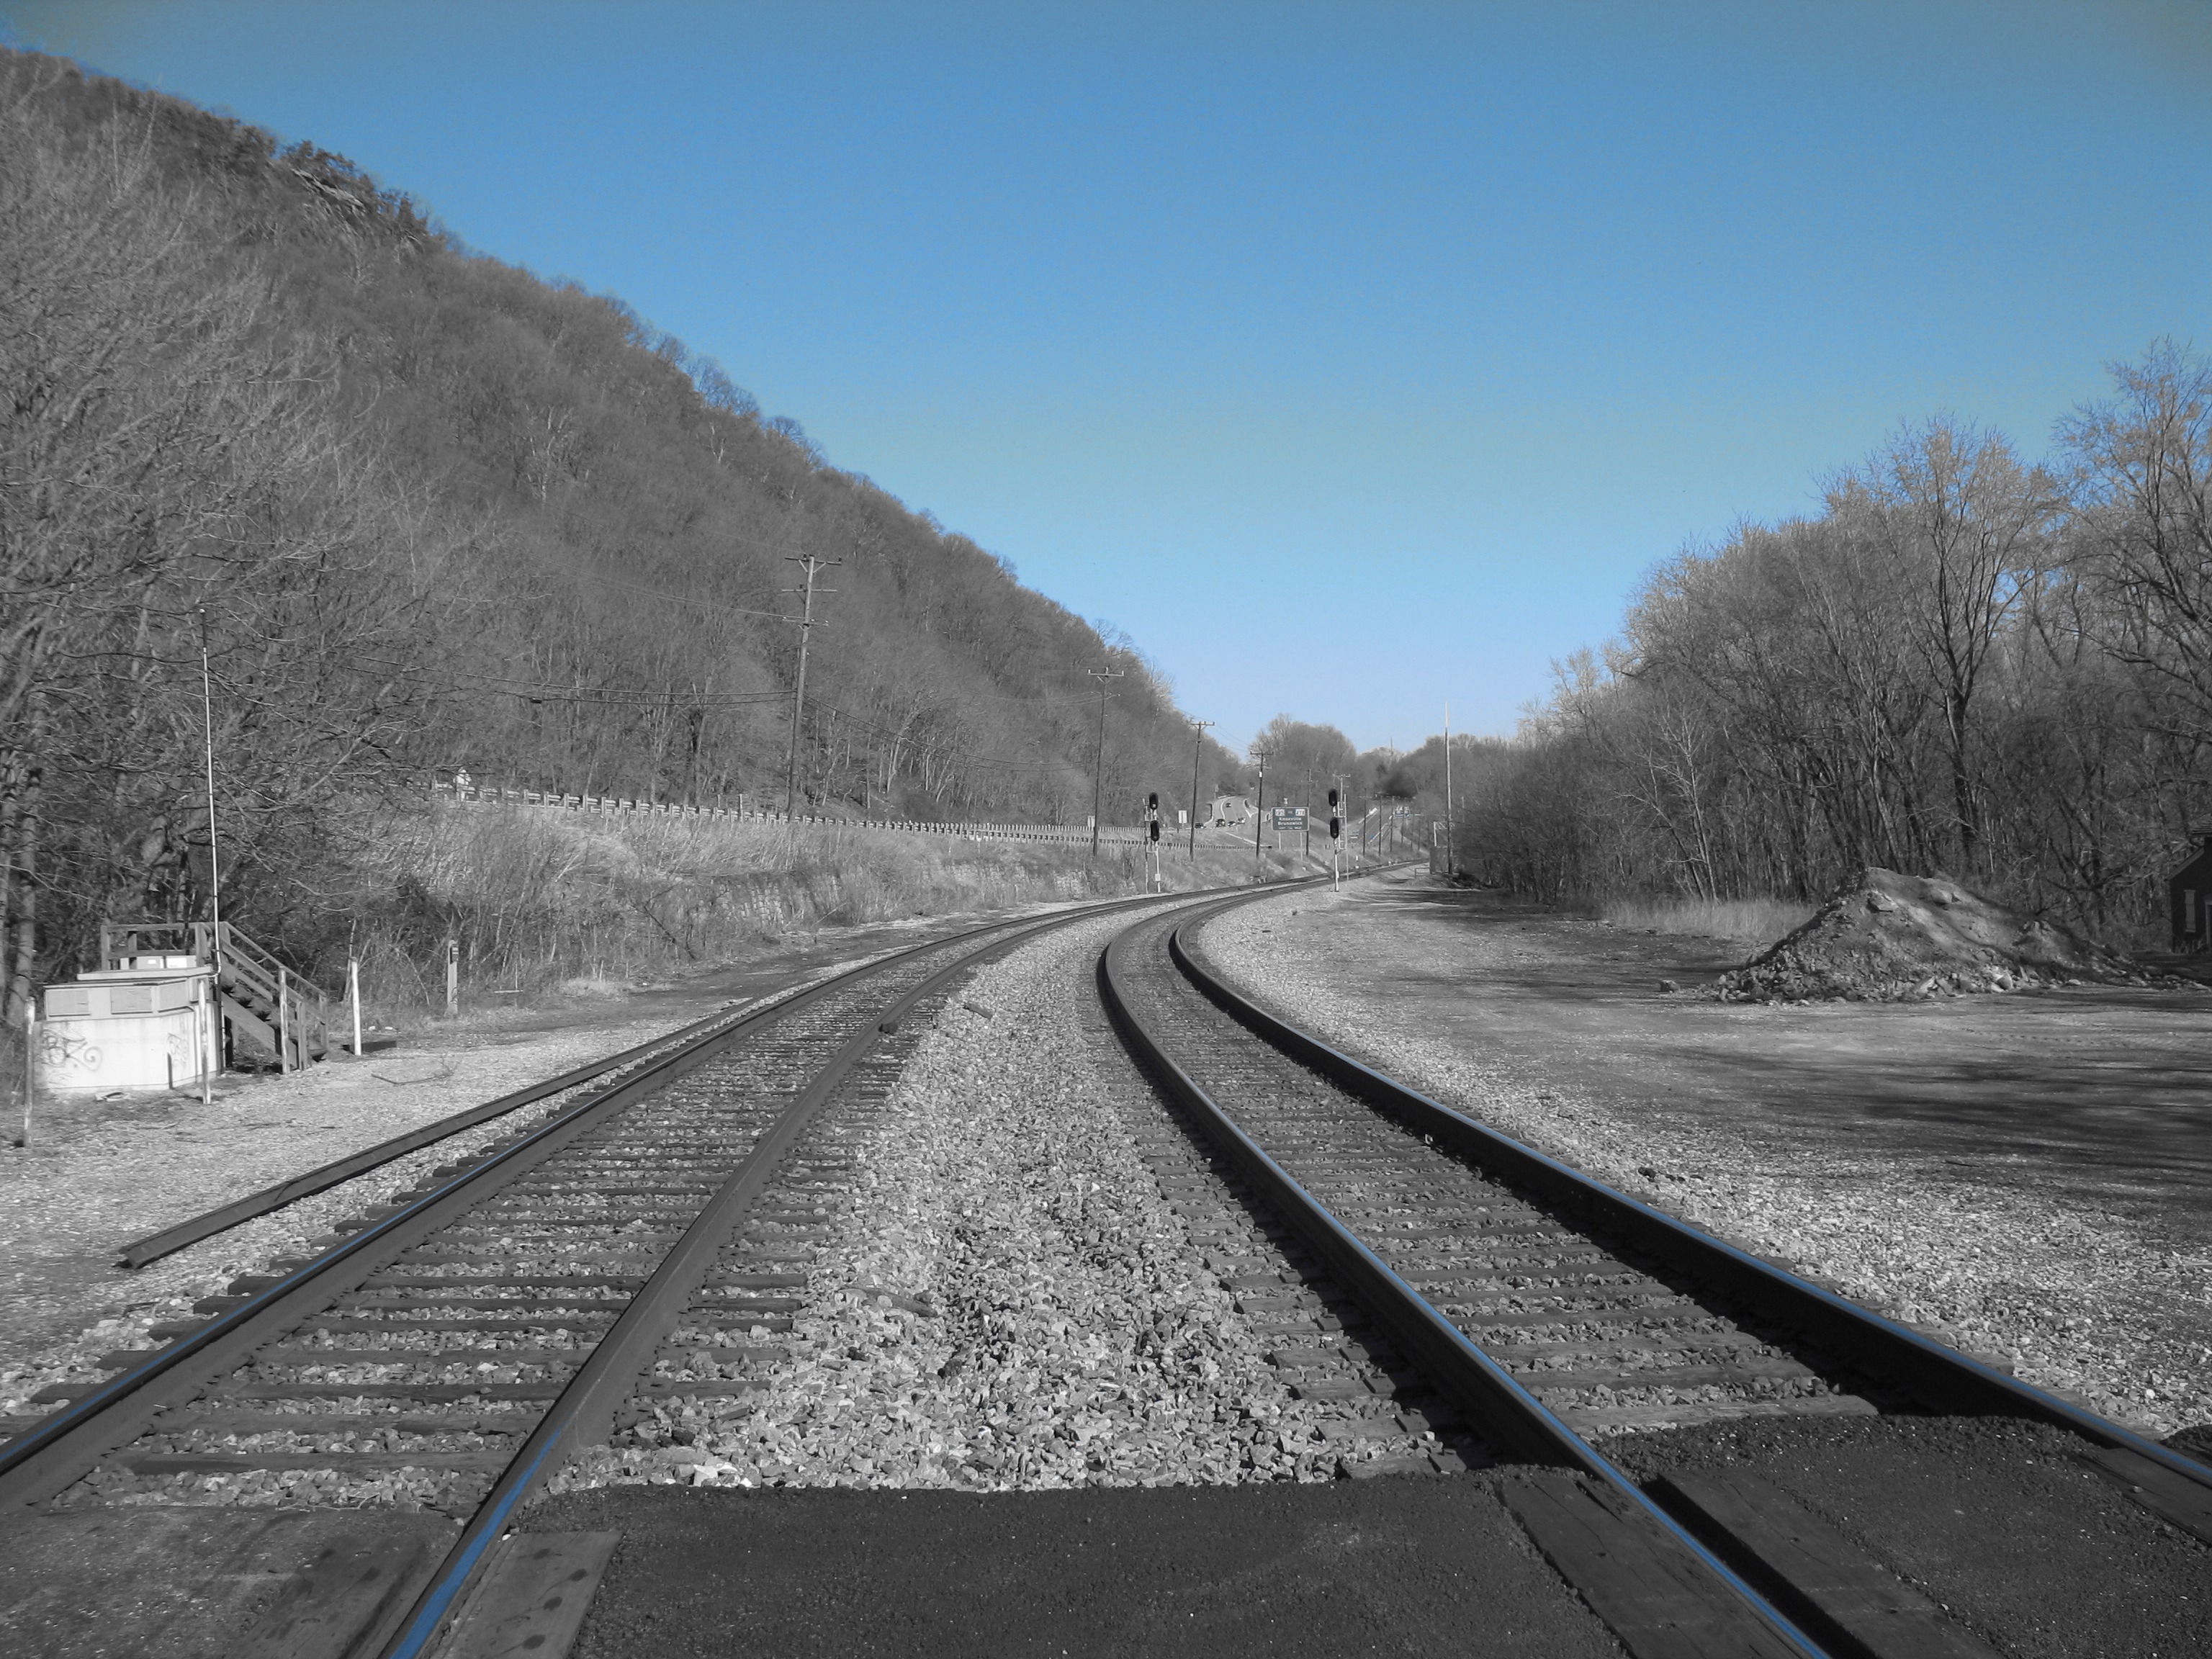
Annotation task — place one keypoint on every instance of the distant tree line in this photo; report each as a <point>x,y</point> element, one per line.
<point>1963,662</point>
<point>424,513</point>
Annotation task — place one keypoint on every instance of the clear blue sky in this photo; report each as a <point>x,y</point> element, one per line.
<point>1353,358</point>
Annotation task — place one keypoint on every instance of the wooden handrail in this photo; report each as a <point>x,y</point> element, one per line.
<point>297,1010</point>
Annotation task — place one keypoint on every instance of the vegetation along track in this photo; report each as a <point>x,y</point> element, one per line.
<point>452,1352</point>
<point>1553,1312</point>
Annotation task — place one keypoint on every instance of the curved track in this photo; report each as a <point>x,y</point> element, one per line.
<point>452,1350</point>
<point>1550,1310</point>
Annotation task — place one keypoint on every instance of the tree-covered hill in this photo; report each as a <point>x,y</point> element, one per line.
<point>428,512</point>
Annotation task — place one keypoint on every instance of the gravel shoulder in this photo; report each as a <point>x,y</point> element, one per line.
<point>2028,1173</point>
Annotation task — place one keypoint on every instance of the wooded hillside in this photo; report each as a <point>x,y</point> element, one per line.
<point>428,512</point>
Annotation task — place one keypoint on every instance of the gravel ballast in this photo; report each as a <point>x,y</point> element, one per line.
<point>1009,1300</point>
<point>2076,1298</point>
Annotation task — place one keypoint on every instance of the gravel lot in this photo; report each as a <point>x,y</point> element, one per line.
<point>2005,1247</point>
<point>1072,1330</point>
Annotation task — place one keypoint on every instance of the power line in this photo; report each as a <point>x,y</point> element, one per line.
<point>675,598</point>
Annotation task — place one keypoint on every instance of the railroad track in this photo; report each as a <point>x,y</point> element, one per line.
<point>1550,1312</point>
<point>443,1356</point>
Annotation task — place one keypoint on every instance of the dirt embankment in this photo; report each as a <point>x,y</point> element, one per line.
<point>1890,938</point>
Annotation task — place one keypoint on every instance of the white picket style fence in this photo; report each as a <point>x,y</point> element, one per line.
<point>1117,835</point>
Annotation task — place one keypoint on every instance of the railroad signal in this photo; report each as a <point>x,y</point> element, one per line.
<point>1335,823</point>
<point>1153,813</point>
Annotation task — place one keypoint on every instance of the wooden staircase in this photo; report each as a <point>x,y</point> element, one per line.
<point>264,1004</point>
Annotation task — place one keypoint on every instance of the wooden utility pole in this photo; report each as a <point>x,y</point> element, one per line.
<point>812,567</point>
<point>1448,804</point>
<point>1197,747</point>
<point>1098,761</point>
<point>1260,813</point>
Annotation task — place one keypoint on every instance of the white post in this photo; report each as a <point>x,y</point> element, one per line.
<point>353,994</point>
<point>283,1019</point>
<point>204,1031</point>
<point>30,1069</point>
<point>452,977</point>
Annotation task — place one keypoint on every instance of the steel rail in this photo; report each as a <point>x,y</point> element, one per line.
<point>1504,1411</point>
<point>152,1248</point>
<point>585,1405</point>
<point>1937,1375</point>
<point>292,1189</point>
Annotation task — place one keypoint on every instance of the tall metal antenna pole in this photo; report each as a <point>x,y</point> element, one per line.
<point>799,687</point>
<point>215,859</point>
<point>1197,747</point>
<point>1099,762</point>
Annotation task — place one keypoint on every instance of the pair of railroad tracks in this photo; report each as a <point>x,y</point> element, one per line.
<point>1551,1311</point>
<point>634,1248</point>
<point>449,1353</point>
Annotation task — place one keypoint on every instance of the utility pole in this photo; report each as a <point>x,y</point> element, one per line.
<point>813,566</point>
<point>1260,813</point>
<point>1099,762</point>
<point>1448,811</point>
<point>1197,746</point>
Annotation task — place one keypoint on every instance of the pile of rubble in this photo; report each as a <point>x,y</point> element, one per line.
<point>1891,938</point>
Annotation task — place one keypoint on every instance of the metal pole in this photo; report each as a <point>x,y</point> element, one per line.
<point>215,863</point>
<point>284,1020</point>
<point>1198,745</point>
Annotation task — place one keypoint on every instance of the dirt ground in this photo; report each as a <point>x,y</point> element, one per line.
<point>2032,1170</point>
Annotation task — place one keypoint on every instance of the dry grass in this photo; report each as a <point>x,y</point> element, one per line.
<point>1757,922</point>
<point>547,901</point>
